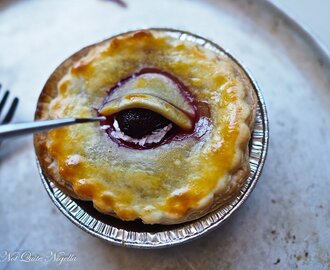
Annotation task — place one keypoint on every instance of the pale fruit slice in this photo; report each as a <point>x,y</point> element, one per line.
<point>157,85</point>
<point>149,102</point>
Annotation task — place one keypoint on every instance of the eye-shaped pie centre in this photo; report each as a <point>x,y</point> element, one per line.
<point>145,107</point>
<point>138,123</point>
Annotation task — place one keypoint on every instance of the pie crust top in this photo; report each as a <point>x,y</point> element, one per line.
<point>179,179</point>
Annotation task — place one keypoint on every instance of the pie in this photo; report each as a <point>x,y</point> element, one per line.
<point>173,145</point>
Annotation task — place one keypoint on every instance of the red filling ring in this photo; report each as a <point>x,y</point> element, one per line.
<point>175,134</point>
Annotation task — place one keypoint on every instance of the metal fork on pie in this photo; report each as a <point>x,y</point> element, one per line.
<point>11,130</point>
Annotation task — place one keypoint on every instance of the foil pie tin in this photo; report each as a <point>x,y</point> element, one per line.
<point>138,235</point>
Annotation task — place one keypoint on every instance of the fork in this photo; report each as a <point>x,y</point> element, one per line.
<point>12,130</point>
<point>10,114</point>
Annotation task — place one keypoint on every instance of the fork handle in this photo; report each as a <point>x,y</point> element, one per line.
<point>13,130</point>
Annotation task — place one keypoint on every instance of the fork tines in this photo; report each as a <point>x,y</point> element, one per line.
<point>9,115</point>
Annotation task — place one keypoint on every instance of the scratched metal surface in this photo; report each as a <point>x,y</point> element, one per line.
<point>285,222</point>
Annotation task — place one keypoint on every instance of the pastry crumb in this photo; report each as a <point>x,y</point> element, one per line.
<point>73,159</point>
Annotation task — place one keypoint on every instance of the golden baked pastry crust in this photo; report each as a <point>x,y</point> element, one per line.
<point>173,183</point>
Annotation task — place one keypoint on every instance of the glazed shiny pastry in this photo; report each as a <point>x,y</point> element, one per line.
<point>174,145</point>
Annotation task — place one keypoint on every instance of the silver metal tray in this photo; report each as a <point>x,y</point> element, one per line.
<point>285,222</point>
<point>139,235</point>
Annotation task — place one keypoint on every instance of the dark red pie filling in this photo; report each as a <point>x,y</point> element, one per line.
<point>138,123</point>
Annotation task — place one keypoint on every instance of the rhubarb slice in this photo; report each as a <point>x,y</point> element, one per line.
<point>157,85</point>
<point>149,102</point>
